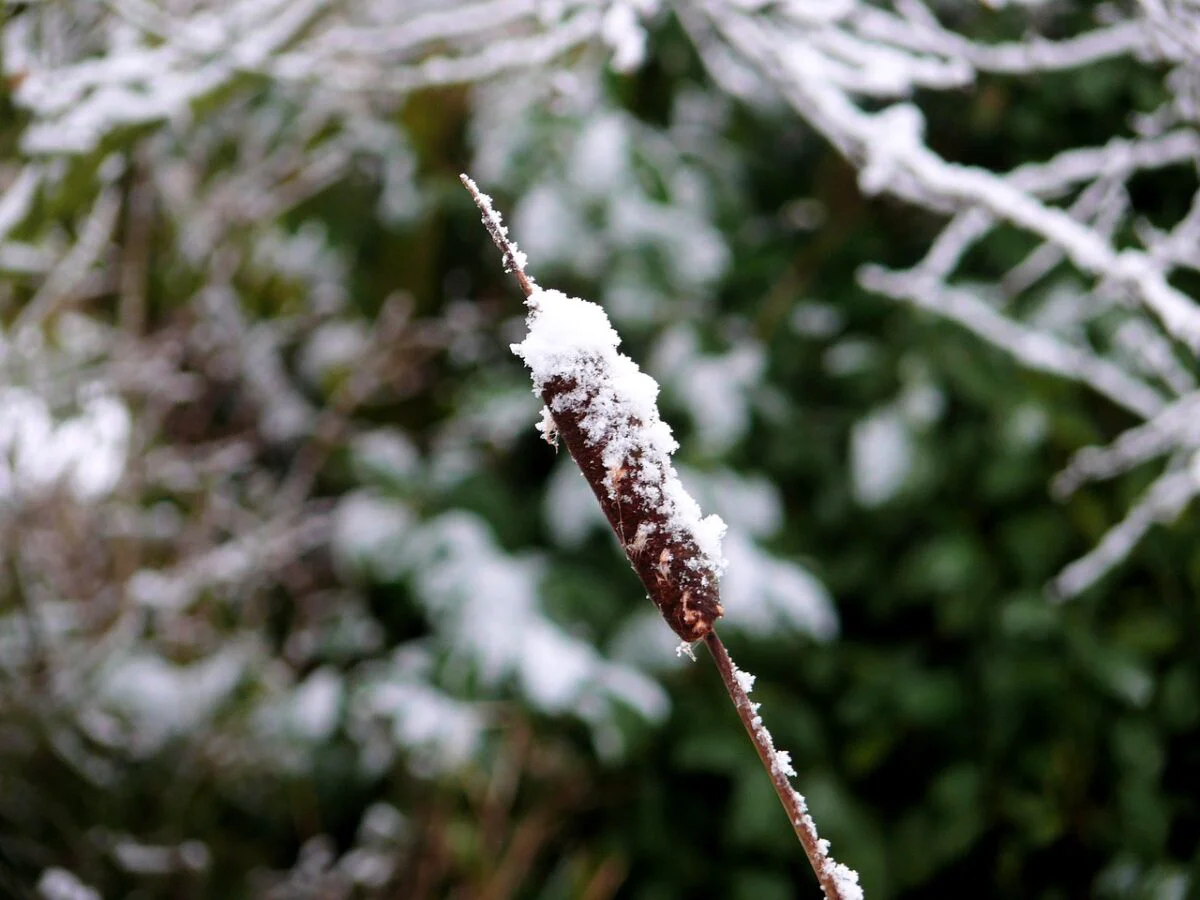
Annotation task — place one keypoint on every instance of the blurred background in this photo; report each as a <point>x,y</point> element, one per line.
<point>295,602</point>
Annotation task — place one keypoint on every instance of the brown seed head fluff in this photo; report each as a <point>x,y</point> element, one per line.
<point>680,580</point>
<point>604,408</point>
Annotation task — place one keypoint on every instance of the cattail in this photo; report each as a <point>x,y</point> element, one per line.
<point>604,409</point>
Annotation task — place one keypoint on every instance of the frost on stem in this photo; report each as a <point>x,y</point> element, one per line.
<point>839,882</point>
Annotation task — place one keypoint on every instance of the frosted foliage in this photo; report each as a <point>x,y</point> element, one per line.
<point>881,456</point>
<point>442,733</point>
<point>716,389</point>
<point>851,70</point>
<point>59,884</point>
<point>160,700</point>
<point>573,339</point>
<point>488,603</point>
<point>486,616</point>
<point>595,212</point>
<point>764,594</point>
<point>315,705</point>
<point>86,452</point>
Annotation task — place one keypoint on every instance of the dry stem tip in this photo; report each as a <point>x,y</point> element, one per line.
<point>514,259</point>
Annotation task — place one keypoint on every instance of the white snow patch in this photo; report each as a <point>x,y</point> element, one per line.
<point>783,762</point>
<point>386,451</point>
<point>748,503</point>
<point>86,452</point>
<point>553,229</point>
<point>762,594</point>
<point>600,163</point>
<point>570,508</point>
<point>334,348</point>
<point>881,456</point>
<point>484,603</point>
<point>441,731</point>
<point>370,532</point>
<point>315,705</point>
<point>59,884</point>
<point>717,389</point>
<point>161,700</point>
<point>745,680</point>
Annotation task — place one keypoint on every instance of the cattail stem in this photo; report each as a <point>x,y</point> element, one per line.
<point>797,809</point>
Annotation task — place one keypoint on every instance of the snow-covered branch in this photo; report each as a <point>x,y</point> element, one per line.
<point>851,71</point>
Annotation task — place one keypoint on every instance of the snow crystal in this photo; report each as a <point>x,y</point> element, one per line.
<point>745,680</point>
<point>846,880</point>
<point>573,339</point>
<point>685,649</point>
<point>642,642</point>
<point>783,761</point>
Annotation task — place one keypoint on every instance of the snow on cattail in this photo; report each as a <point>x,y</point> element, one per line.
<point>604,409</point>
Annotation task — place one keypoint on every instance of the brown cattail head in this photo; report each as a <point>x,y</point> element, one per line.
<point>604,409</point>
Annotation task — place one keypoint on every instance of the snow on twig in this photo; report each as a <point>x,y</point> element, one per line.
<point>851,70</point>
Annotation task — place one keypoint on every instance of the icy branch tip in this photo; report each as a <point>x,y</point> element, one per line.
<point>514,259</point>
